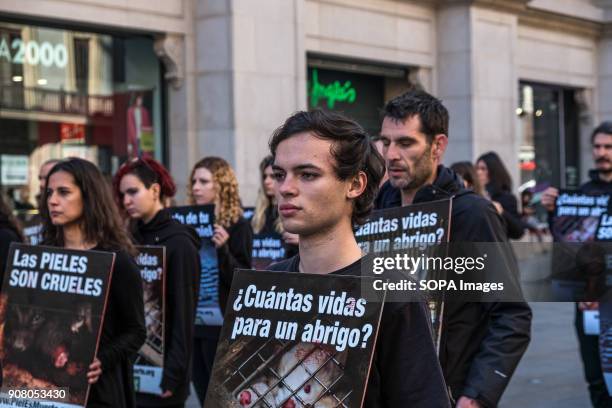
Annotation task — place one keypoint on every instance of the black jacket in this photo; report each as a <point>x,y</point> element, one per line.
<point>515,227</point>
<point>482,343</point>
<point>236,253</point>
<point>595,185</point>
<point>123,333</point>
<point>182,281</point>
<point>7,235</point>
<point>404,371</point>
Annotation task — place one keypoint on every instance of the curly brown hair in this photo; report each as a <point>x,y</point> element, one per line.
<point>228,206</point>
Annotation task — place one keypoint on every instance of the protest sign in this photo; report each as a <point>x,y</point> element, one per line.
<point>32,230</point>
<point>149,365</point>
<point>574,228</point>
<point>292,339</point>
<point>577,216</point>
<point>410,229</point>
<point>267,249</point>
<point>202,219</point>
<point>51,308</point>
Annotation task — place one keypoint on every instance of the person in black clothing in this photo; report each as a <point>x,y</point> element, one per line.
<point>498,187</point>
<point>9,232</point>
<point>141,187</point>
<point>80,213</point>
<point>600,183</point>
<point>265,219</point>
<point>328,174</point>
<point>213,181</point>
<point>481,343</point>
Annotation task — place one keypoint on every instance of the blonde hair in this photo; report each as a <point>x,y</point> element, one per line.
<point>228,208</point>
<point>263,201</point>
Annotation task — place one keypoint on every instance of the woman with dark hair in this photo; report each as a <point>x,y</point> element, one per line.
<point>142,186</point>
<point>497,183</point>
<point>468,173</point>
<point>80,213</point>
<point>265,218</point>
<point>212,181</point>
<point>9,232</point>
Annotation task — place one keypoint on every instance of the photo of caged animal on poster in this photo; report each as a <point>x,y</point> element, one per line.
<point>47,348</point>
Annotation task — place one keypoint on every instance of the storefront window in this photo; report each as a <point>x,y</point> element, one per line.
<point>72,93</point>
<point>549,150</point>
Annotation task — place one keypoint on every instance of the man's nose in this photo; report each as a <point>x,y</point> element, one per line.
<point>391,152</point>
<point>286,186</point>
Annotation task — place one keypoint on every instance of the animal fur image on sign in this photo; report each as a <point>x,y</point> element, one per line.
<point>152,352</point>
<point>316,353</point>
<point>51,311</point>
<point>44,348</point>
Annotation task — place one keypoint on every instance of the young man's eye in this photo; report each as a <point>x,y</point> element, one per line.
<point>278,176</point>
<point>309,176</point>
<point>385,142</point>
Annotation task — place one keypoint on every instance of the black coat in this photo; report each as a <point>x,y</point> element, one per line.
<point>7,235</point>
<point>595,185</point>
<point>182,283</point>
<point>482,343</point>
<point>515,227</point>
<point>236,253</point>
<point>123,333</point>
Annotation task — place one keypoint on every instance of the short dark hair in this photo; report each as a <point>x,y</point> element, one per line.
<point>604,127</point>
<point>431,112</point>
<point>351,149</point>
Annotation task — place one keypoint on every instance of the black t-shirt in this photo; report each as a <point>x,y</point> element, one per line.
<point>405,370</point>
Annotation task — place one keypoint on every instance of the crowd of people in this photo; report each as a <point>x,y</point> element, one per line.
<point>324,177</point>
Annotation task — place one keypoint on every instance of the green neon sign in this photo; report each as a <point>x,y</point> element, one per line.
<point>334,92</point>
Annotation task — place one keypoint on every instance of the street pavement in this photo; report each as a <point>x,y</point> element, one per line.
<point>550,373</point>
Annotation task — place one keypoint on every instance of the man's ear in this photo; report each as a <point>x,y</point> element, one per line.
<point>358,185</point>
<point>438,146</point>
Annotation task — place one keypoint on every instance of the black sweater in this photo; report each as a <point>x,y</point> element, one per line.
<point>123,333</point>
<point>405,371</point>
<point>515,227</point>
<point>182,280</point>
<point>235,253</point>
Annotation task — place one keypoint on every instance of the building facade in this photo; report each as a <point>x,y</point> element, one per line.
<point>181,79</point>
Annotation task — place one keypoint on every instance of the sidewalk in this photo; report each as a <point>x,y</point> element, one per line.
<point>550,373</point>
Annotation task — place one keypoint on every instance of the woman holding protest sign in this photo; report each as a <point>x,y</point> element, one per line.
<point>265,218</point>
<point>212,181</point>
<point>80,214</point>
<point>142,186</point>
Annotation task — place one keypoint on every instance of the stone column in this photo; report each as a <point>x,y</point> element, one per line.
<point>477,80</point>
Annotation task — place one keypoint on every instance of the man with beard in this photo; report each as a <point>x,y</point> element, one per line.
<point>481,343</point>
<point>600,183</point>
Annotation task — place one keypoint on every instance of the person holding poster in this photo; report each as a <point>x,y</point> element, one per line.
<point>481,342</point>
<point>265,218</point>
<point>328,174</point>
<point>80,213</point>
<point>212,181</point>
<point>141,186</point>
<point>9,232</point>
<point>600,183</point>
